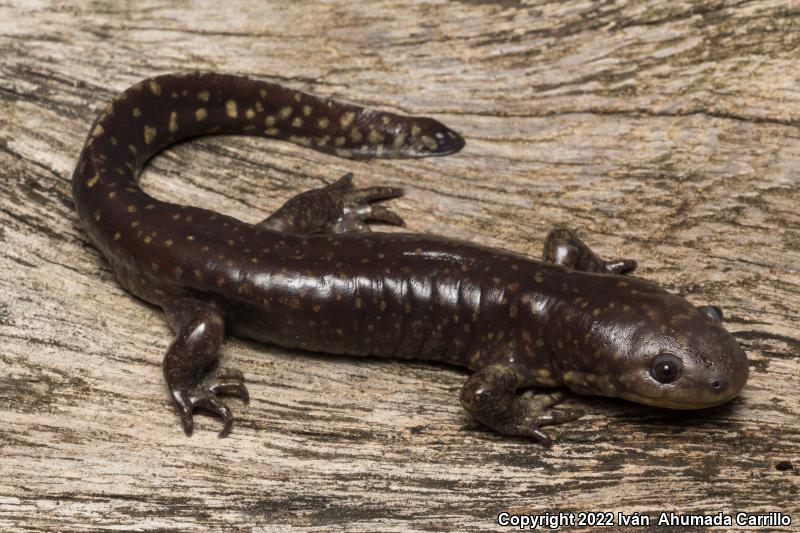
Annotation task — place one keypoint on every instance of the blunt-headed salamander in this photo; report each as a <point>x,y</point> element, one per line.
<point>313,276</point>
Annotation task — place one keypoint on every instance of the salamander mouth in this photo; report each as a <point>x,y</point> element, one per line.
<point>678,405</point>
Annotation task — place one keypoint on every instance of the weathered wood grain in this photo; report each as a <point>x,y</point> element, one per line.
<point>666,131</point>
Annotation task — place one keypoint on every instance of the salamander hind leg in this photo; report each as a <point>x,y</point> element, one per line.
<point>337,208</point>
<point>490,396</point>
<point>199,329</point>
<point>563,247</point>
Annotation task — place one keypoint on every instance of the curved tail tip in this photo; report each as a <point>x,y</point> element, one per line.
<point>437,140</point>
<point>449,143</point>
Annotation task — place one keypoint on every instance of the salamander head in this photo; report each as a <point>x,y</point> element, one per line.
<point>654,348</point>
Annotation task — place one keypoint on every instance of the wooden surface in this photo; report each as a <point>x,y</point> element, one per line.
<point>665,131</point>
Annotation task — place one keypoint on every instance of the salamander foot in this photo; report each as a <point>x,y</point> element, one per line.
<point>490,396</point>
<point>358,206</point>
<point>335,208</point>
<point>563,247</point>
<point>223,381</point>
<point>538,406</point>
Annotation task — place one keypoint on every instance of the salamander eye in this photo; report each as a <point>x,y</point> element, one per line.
<point>666,368</point>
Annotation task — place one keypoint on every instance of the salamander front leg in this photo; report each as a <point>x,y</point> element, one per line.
<point>490,396</point>
<point>199,329</point>
<point>337,208</point>
<point>563,247</point>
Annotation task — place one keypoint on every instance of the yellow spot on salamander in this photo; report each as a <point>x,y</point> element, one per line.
<point>415,130</point>
<point>297,122</point>
<point>339,141</point>
<point>269,121</point>
<point>347,119</point>
<point>137,112</point>
<point>114,141</point>
<point>263,93</point>
<point>92,181</point>
<point>149,134</point>
<point>155,88</point>
<point>190,237</point>
<point>250,113</point>
<point>132,148</point>
<point>306,110</point>
<point>117,236</point>
<point>200,114</point>
<point>204,96</point>
<point>428,142</point>
<point>173,122</point>
<point>356,135</point>
<point>169,242</point>
<point>285,112</point>
<point>324,122</point>
<point>147,239</point>
<point>112,195</point>
<point>259,107</point>
<point>97,215</point>
<point>374,136</point>
<point>132,209</point>
<point>98,131</point>
<point>231,108</point>
<point>272,131</point>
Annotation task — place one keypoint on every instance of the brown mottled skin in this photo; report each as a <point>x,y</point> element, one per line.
<point>312,276</point>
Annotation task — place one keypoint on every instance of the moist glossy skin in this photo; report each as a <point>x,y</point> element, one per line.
<point>312,276</point>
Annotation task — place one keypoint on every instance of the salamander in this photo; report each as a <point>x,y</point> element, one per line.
<point>313,276</point>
